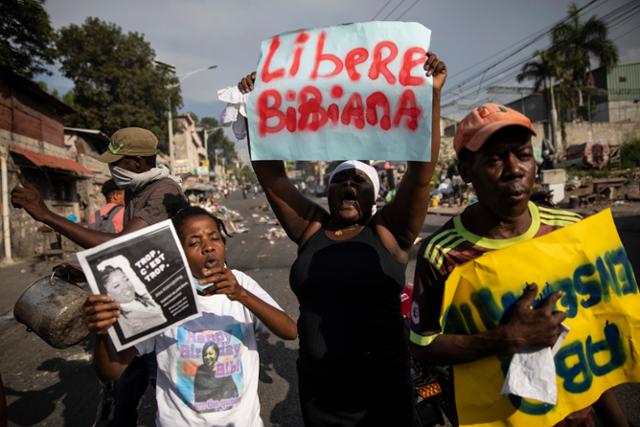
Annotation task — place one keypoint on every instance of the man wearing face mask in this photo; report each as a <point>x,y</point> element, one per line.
<point>151,196</point>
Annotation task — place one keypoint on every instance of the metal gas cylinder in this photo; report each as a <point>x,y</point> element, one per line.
<point>52,308</point>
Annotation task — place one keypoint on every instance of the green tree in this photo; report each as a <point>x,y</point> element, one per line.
<point>26,37</point>
<point>630,154</point>
<point>45,87</point>
<point>209,122</point>
<point>217,140</point>
<point>246,175</point>
<point>115,81</point>
<point>541,70</point>
<point>577,44</point>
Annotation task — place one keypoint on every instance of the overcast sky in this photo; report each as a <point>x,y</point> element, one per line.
<point>467,34</point>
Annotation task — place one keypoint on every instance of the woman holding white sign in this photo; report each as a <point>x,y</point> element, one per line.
<point>354,365</point>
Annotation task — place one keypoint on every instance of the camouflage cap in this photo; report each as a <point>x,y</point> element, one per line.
<point>130,142</point>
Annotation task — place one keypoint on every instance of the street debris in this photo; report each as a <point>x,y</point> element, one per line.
<point>233,221</point>
<point>274,233</point>
<point>587,190</point>
<point>266,219</point>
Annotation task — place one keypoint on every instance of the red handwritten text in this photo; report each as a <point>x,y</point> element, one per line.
<point>380,57</point>
<point>311,115</point>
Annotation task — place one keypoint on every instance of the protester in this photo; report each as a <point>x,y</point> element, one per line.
<point>110,217</point>
<point>151,196</point>
<point>353,361</point>
<point>233,307</point>
<point>493,146</point>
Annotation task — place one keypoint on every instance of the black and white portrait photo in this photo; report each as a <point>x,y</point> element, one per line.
<point>146,272</point>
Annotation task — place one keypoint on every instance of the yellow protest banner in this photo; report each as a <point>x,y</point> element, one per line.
<point>588,262</point>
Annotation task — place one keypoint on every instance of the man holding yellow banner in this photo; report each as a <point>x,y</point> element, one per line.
<point>476,301</point>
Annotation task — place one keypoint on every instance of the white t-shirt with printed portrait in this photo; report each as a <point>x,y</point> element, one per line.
<point>188,391</point>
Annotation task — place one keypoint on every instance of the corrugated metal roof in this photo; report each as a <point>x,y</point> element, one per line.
<point>49,161</point>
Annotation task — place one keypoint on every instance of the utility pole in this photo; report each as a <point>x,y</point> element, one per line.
<point>206,150</point>
<point>172,156</point>
<point>556,134</point>
<point>172,69</point>
<point>6,226</point>
<point>220,161</point>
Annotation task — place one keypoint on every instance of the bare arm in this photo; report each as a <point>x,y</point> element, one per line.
<point>294,211</point>
<point>100,312</point>
<point>404,216</point>
<point>526,329</point>
<point>276,320</point>
<point>29,198</point>
<point>109,363</point>
<point>451,349</point>
<point>226,283</point>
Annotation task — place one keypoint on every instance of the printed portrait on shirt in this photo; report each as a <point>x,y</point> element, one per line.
<point>210,372</point>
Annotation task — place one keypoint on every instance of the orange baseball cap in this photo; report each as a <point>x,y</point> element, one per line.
<point>482,122</point>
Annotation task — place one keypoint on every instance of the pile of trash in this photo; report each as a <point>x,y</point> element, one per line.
<point>273,234</point>
<point>233,221</point>
<point>264,219</point>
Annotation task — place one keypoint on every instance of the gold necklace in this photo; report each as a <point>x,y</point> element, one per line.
<point>341,231</point>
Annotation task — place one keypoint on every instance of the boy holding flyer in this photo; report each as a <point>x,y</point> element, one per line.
<point>207,367</point>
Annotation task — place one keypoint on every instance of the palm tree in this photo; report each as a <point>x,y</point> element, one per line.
<point>544,70</point>
<point>577,43</point>
<point>540,70</point>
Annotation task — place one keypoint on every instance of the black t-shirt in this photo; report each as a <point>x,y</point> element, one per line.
<point>349,296</point>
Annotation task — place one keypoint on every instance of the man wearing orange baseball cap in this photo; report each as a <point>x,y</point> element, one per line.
<point>495,154</point>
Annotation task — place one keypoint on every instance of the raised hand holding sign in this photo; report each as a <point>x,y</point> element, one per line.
<point>344,92</point>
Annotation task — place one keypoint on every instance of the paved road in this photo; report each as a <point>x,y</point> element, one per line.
<point>51,387</point>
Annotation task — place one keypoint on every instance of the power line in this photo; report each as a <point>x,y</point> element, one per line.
<point>533,36</point>
<point>613,18</point>
<point>486,80</point>
<point>630,14</point>
<point>380,11</point>
<point>523,44</point>
<point>393,10</point>
<point>407,9</point>
<point>630,31</point>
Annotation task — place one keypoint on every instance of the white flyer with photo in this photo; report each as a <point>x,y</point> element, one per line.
<point>147,272</point>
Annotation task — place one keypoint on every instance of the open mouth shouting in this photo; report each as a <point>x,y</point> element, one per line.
<point>349,202</point>
<point>211,262</point>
